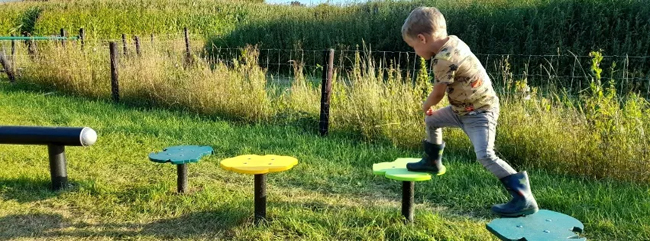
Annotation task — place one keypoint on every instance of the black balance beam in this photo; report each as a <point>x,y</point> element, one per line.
<point>56,138</point>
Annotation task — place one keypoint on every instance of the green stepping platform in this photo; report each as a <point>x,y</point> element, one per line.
<point>542,225</point>
<point>181,156</point>
<point>396,170</point>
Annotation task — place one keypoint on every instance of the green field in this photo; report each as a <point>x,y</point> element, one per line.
<point>118,193</point>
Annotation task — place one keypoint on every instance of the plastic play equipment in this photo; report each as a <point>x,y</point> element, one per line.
<point>259,166</point>
<point>38,38</point>
<point>542,225</point>
<point>396,170</point>
<point>56,138</point>
<point>181,156</point>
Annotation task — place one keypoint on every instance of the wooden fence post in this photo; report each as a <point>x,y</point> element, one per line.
<point>63,34</point>
<point>115,87</point>
<point>31,46</point>
<point>13,54</point>
<point>13,48</point>
<point>82,37</point>
<point>137,45</point>
<point>124,43</point>
<point>188,54</point>
<point>326,91</point>
<point>6,64</point>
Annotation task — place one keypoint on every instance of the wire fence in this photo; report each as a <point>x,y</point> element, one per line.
<point>563,70</point>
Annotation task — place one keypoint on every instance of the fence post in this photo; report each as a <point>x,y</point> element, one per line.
<point>63,34</point>
<point>124,43</point>
<point>137,45</point>
<point>82,37</point>
<point>13,47</point>
<point>4,62</point>
<point>188,54</point>
<point>326,91</point>
<point>31,46</point>
<point>115,88</point>
<point>13,54</point>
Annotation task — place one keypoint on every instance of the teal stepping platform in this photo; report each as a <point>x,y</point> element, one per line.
<point>542,225</point>
<point>181,154</point>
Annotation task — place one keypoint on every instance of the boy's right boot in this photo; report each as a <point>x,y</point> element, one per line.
<point>522,202</point>
<point>431,161</point>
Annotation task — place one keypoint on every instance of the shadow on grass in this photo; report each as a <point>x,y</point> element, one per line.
<point>29,225</point>
<point>363,215</point>
<point>217,222</point>
<point>212,223</point>
<point>29,189</point>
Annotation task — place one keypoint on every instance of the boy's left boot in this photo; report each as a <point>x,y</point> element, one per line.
<point>431,161</point>
<point>522,202</point>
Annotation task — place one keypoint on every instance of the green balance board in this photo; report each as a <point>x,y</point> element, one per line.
<point>181,154</point>
<point>396,170</point>
<point>542,225</point>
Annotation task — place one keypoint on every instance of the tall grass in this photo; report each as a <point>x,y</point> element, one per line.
<point>600,134</point>
<point>158,77</point>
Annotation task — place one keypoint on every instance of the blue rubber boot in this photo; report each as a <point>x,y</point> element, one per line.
<point>431,161</point>
<point>522,202</point>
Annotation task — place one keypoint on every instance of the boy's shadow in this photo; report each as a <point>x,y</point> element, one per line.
<point>28,189</point>
<point>211,223</point>
<point>29,225</point>
<point>42,225</point>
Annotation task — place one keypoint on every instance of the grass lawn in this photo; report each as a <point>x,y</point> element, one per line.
<point>117,193</point>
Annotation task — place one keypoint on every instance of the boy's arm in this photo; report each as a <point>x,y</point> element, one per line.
<point>444,71</point>
<point>435,96</point>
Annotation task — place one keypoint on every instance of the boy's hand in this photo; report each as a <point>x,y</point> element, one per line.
<point>425,107</point>
<point>434,97</point>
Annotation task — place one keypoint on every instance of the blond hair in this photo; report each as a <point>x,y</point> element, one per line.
<point>425,20</point>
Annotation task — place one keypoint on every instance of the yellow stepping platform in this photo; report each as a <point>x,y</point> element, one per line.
<point>256,164</point>
<point>259,166</point>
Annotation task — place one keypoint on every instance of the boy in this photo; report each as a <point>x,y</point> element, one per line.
<point>474,106</point>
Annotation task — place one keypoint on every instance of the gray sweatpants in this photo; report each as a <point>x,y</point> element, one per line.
<point>480,128</point>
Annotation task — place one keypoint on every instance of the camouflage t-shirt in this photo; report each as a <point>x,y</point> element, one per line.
<point>469,88</point>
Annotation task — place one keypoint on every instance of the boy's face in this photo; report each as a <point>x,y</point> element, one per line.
<point>421,44</point>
